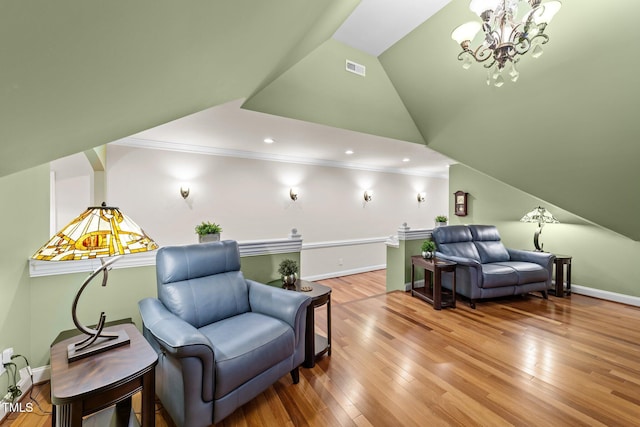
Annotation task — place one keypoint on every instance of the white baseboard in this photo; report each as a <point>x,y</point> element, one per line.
<point>345,272</point>
<point>41,374</point>
<point>606,295</point>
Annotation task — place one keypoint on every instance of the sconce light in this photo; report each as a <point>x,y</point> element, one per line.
<point>184,191</point>
<point>368,195</point>
<point>293,193</point>
<point>422,197</point>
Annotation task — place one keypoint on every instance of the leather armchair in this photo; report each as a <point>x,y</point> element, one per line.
<point>486,268</point>
<point>221,339</point>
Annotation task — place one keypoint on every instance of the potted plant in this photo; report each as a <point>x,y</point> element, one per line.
<point>428,249</point>
<point>208,232</point>
<point>288,270</point>
<point>441,220</point>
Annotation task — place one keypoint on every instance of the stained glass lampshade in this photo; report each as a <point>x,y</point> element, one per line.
<point>542,217</point>
<point>99,232</point>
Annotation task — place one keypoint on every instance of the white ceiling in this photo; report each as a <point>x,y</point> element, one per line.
<point>230,130</point>
<point>227,129</point>
<point>376,25</point>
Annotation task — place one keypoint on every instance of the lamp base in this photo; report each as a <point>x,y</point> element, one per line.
<point>99,346</point>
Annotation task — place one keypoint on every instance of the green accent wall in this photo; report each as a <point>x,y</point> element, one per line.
<point>25,220</point>
<point>264,268</point>
<point>399,264</point>
<point>602,259</point>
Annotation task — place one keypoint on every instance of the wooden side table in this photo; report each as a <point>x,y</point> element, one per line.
<point>315,344</point>
<point>90,385</point>
<point>560,262</point>
<point>432,291</point>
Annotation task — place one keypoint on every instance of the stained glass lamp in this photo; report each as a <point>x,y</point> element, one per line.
<point>542,217</point>
<point>99,232</point>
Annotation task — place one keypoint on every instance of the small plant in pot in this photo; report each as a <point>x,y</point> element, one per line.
<point>208,232</point>
<point>441,220</point>
<point>428,249</point>
<point>288,270</point>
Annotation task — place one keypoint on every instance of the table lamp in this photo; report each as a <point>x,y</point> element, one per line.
<point>99,232</point>
<point>542,217</point>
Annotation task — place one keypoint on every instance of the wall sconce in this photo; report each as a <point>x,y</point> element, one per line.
<point>368,195</point>
<point>293,193</point>
<point>422,197</point>
<point>184,191</point>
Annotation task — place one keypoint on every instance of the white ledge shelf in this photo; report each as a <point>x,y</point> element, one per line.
<point>246,248</point>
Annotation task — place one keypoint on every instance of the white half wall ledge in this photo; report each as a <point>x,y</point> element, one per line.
<point>246,249</point>
<point>407,233</point>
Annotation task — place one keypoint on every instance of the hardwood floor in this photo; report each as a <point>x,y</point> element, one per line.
<point>398,362</point>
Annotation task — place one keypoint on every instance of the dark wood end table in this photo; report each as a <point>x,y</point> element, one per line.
<point>559,290</point>
<point>315,344</point>
<point>91,385</point>
<point>432,291</point>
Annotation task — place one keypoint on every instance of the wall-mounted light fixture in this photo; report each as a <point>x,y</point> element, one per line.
<point>184,191</point>
<point>293,193</point>
<point>368,195</point>
<point>422,196</point>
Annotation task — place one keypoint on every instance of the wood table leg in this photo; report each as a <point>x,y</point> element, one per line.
<point>148,399</point>
<point>310,339</point>
<point>560,279</point>
<point>437,289</point>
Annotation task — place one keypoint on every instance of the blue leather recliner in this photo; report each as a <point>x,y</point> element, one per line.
<point>486,268</point>
<point>221,339</point>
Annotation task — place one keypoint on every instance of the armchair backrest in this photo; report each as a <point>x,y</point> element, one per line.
<point>455,240</point>
<point>487,241</point>
<point>202,283</point>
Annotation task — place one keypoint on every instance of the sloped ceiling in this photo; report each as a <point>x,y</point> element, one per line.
<point>75,74</point>
<point>566,132</point>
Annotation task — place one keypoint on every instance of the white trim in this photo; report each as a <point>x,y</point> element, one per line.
<point>246,248</point>
<point>49,268</point>
<point>406,233</point>
<point>340,243</point>
<point>268,247</point>
<point>606,295</point>
<point>226,152</point>
<point>345,272</point>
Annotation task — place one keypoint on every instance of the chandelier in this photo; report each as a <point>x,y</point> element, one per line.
<point>507,35</point>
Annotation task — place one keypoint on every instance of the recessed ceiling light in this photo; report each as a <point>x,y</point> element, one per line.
<point>406,159</point>
<point>269,140</point>
<point>349,152</point>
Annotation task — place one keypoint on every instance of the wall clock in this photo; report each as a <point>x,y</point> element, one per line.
<point>460,203</point>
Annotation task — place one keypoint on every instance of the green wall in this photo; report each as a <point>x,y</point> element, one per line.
<point>399,264</point>
<point>602,259</point>
<point>25,219</point>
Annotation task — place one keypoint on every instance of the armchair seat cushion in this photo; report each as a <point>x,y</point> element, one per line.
<point>496,275</point>
<point>245,346</point>
<point>528,272</point>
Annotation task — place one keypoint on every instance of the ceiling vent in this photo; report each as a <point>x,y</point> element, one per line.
<point>356,68</point>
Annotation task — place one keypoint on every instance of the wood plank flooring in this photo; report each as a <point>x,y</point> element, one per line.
<point>398,362</point>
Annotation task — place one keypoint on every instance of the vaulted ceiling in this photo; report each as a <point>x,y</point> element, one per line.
<point>75,74</point>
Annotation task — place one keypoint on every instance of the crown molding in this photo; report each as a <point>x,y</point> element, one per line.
<point>241,154</point>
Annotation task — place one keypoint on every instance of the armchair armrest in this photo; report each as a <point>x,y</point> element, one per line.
<point>469,262</point>
<point>179,339</point>
<point>287,306</point>
<point>544,259</point>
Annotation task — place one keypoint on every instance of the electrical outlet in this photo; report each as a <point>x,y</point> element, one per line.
<point>6,355</point>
